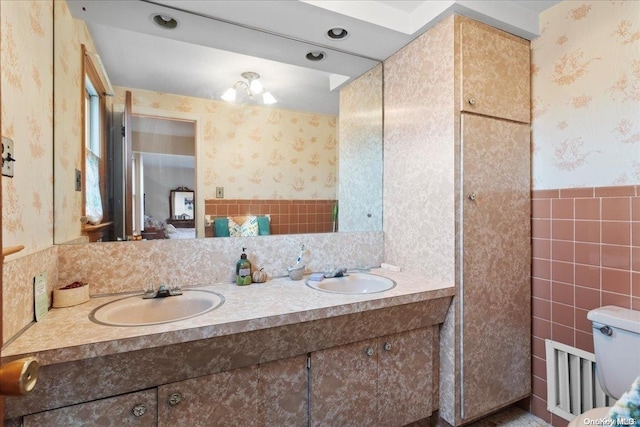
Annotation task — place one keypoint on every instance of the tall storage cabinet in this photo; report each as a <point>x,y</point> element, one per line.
<point>457,191</point>
<point>493,290</point>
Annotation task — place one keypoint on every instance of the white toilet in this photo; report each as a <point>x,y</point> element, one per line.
<point>616,342</point>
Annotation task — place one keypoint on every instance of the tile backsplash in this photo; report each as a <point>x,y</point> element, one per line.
<point>125,266</point>
<point>119,267</point>
<point>17,288</point>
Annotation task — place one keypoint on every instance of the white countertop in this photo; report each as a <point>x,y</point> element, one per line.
<point>67,334</point>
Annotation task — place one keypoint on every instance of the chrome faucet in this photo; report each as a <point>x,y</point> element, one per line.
<point>336,272</point>
<point>162,292</point>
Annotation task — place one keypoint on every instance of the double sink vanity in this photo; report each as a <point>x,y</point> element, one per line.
<point>154,307</point>
<point>361,349</point>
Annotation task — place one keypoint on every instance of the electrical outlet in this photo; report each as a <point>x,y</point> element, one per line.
<point>78,180</point>
<point>219,192</point>
<point>7,157</point>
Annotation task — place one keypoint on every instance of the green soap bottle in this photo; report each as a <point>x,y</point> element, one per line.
<point>243,270</point>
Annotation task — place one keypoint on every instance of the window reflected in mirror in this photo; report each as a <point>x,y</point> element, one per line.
<point>93,154</point>
<point>92,182</point>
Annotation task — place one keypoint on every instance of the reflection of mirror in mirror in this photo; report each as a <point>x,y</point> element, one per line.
<point>253,161</point>
<point>182,204</point>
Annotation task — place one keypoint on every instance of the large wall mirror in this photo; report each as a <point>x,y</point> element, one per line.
<point>310,162</point>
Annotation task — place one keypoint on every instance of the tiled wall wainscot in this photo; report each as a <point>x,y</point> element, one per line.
<point>286,216</point>
<point>586,254</point>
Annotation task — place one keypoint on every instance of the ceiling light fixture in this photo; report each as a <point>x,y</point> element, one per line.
<point>337,33</point>
<point>164,21</point>
<point>252,86</point>
<point>316,56</point>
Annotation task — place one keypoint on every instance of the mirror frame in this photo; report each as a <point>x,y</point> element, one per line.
<point>180,193</point>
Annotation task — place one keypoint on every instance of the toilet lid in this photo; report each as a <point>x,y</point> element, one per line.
<point>617,317</point>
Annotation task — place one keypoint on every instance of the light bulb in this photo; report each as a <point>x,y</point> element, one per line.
<point>229,95</point>
<point>256,86</point>
<point>268,99</point>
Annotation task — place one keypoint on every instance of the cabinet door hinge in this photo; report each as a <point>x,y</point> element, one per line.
<point>122,131</point>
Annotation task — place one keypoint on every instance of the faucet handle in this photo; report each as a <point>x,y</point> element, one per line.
<point>335,272</point>
<point>174,287</point>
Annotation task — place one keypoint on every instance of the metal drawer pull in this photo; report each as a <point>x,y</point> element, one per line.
<point>139,410</point>
<point>174,399</point>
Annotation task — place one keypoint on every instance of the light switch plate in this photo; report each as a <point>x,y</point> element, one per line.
<point>7,153</point>
<point>219,192</point>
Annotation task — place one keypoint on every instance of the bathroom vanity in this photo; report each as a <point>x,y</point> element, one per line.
<point>276,353</point>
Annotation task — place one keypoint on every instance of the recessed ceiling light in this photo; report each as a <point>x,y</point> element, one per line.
<point>316,56</point>
<point>164,21</point>
<point>337,33</point>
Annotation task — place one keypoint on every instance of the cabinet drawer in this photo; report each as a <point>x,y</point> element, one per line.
<point>134,409</point>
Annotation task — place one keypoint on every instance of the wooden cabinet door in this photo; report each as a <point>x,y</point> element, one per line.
<point>404,377</point>
<point>495,72</point>
<point>134,409</point>
<point>282,392</point>
<point>343,385</point>
<point>223,399</point>
<point>495,287</point>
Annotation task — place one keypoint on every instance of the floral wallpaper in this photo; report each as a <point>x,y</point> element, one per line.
<point>27,117</point>
<point>257,152</point>
<point>70,35</point>
<point>586,95</point>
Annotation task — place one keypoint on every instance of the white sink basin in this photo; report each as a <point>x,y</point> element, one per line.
<point>137,311</point>
<point>353,283</point>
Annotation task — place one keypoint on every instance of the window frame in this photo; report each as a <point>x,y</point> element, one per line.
<point>99,108</point>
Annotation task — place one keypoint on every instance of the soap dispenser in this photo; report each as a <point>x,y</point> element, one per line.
<point>243,270</point>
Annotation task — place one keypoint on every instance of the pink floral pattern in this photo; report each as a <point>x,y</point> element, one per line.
<point>27,84</point>
<point>257,152</point>
<point>586,95</point>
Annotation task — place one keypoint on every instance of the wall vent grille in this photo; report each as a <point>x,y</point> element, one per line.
<point>572,383</point>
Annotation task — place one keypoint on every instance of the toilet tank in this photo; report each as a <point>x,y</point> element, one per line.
<point>616,341</point>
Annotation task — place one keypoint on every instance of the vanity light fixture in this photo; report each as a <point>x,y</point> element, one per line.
<point>252,86</point>
<point>337,33</point>
<point>164,21</point>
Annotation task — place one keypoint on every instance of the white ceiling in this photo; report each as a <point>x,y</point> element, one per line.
<point>216,40</point>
